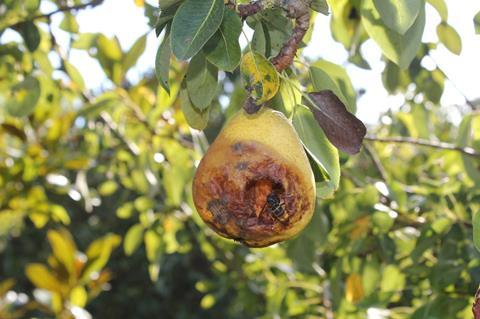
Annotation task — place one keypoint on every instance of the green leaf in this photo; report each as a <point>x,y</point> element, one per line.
<point>79,296</point>
<point>85,41</point>
<point>69,23</point>
<point>110,48</point>
<point>201,81</point>
<point>42,278</point>
<point>449,38</point>
<point>196,118</point>
<point>164,19</point>
<point>259,77</point>
<point>31,35</point>
<point>24,97</point>
<point>464,139</point>
<point>320,6</point>
<point>400,49</point>
<point>193,25</point>
<point>441,8</point>
<point>98,254</point>
<point>476,22</point>
<point>162,63</point>
<point>64,248</point>
<point>399,15</point>
<point>322,81</point>
<point>134,53</point>
<point>75,75</point>
<point>318,146</point>
<point>342,80</point>
<point>223,49</point>
<point>165,4</point>
<point>107,188</point>
<point>133,239</point>
<point>476,229</point>
<point>153,246</point>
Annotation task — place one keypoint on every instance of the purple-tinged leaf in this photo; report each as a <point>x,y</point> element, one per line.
<point>342,128</point>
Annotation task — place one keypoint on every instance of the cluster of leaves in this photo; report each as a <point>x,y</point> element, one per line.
<point>114,167</point>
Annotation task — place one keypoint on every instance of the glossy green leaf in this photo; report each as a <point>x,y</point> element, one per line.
<point>193,25</point>
<point>196,118</point>
<point>318,146</point>
<point>133,239</point>
<point>162,63</point>
<point>134,53</point>
<point>201,81</point>
<point>165,4</point>
<point>223,48</point>
<point>399,15</point>
<point>24,97</point>
<point>400,49</point>
<point>449,38</point>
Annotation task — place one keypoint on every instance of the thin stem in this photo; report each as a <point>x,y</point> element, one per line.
<point>376,161</point>
<point>438,145</point>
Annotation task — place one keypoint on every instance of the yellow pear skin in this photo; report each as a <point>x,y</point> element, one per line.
<point>255,184</point>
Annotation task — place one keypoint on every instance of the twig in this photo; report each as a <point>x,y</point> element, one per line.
<point>438,145</point>
<point>246,10</point>
<point>467,100</point>
<point>376,162</point>
<point>286,55</point>
<point>92,4</point>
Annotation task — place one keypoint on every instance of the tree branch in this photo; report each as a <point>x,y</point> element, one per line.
<point>286,55</point>
<point>376,162</point>
<point>438,145</point>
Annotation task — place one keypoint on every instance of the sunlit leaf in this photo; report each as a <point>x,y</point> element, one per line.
<point>449,38</point>
<point>399,15</point>
<point>24,97</point>
<point>133,239</point>
<point>400,49</point>
<point>354,288</point>
<point>42,278</point>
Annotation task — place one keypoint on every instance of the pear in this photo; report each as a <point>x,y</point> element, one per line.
<point>255,184</point>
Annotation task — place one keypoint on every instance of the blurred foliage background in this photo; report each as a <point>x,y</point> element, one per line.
<point>96,214</point>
